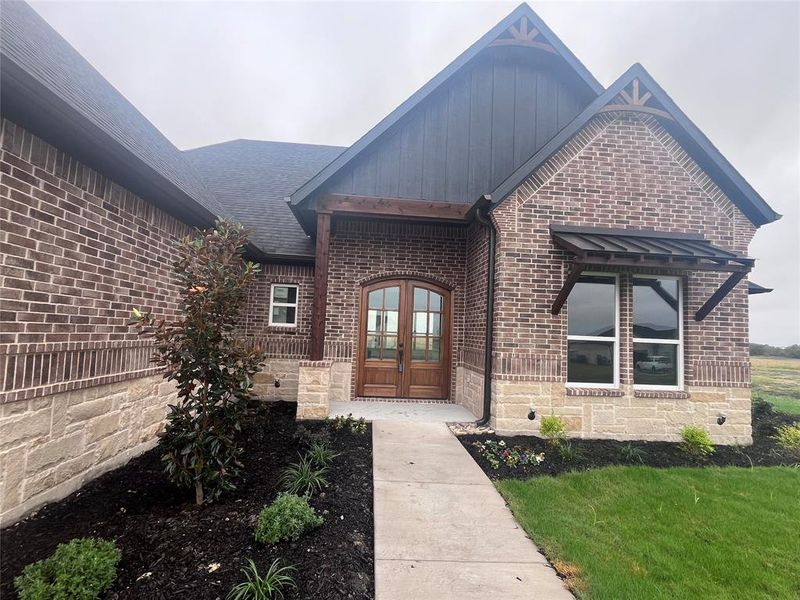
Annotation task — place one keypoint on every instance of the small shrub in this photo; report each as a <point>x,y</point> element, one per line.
<point>788,437</point>
<point>81,569</point>
<point>568,452</point>
<point>696,441</point>
<point>350,423</point>
<point>268,587</point>
<point>554,429</point>
<point>303,477</point>
<point>631,453</point>
<point>497,453</point>
<point>287,518</point>
<point>321,455</point>
<point>306,437</point>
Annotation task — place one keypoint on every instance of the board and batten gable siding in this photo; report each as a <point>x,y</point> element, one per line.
<point>472,133</point>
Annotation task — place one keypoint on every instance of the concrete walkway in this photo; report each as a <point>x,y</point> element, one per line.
<point>442,531</point>
<point>403,411</point>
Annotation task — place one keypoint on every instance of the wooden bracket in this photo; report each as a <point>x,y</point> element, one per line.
<point>569,283</point>
<point>719,295</point>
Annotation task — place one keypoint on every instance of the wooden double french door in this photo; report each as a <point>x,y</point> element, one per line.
<point>404,340</point>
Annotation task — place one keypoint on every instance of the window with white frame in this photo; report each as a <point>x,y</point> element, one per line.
<point>593,332</point>
<point>283,305</point>
<point>657,332</point>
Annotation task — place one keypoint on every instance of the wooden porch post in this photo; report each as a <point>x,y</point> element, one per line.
<point>320,285</point>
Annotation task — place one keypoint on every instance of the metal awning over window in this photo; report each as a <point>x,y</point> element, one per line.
<point>598,247</point>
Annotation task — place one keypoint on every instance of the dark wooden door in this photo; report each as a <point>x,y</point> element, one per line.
<point>404,340</point>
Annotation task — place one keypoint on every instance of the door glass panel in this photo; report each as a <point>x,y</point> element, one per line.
<point>376,299</point>
<point>418,351</point>
<point>420,322</point>
<point>374,320</point>
<point>434,349</point>
<point>392,300</point>
<point>437,302</point>
<point>391,321</point>
<point>420,299</point>
<point>435,324</point>
<point>373,346</point>
<point>390,347</point>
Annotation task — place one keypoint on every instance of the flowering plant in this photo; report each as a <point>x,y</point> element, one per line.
<point>497,453</point>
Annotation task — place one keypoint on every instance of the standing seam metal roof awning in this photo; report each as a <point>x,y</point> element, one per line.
<point>598,246</point>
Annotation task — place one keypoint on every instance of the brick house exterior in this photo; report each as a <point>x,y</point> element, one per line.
<point>375,259</point>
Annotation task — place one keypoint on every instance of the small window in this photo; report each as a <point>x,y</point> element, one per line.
<point>657,332</point>
<point>283,305</point>
<point>593,333</point>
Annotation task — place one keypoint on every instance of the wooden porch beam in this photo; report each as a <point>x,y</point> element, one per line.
<point>719,295</point>
<point>395,207</point>
<point>320,285</point>
<point>569,283</point>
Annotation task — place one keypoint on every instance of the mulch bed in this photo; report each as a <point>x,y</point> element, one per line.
<point>168,543</point>
<point>602,453</point>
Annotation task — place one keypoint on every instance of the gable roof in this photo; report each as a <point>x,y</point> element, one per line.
<point>50,89</point>
<point>252,179</point>
<point>696,144</point>
<point>429,88</point>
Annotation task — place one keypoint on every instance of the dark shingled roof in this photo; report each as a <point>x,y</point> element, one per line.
<point>252,179</point>
<point>48,83</point>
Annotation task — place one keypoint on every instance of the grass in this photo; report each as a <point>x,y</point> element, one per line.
<point>777,380</point>
<point>642,533</point>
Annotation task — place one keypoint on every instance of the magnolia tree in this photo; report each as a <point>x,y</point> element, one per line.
<point>211,367</point>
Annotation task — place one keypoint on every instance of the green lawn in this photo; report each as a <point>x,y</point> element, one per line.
<point>641,533</point>
<point>777,380</point>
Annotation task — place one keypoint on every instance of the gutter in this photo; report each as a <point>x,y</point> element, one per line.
<point>489,329</point>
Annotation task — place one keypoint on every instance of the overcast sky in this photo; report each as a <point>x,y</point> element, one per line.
<point>206,72</point>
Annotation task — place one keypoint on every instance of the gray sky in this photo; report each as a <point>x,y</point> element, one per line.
<point>205,72</point>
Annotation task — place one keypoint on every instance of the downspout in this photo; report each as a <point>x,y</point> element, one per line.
<point>487,343</point>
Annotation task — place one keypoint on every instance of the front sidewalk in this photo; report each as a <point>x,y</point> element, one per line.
<point>441,529</point>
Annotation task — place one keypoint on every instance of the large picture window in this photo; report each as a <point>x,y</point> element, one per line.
<point>283,305</point>
<point>593,332</point>
<point>657,332</point>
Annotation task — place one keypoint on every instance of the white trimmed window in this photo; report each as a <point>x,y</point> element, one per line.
<point>593,332</point>
<point>657,333</point>
<point>283,305</point>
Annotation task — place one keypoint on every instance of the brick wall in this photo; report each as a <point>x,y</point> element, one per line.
<point>361,251</point>
<point>621,170</point>
<point>78,253</point>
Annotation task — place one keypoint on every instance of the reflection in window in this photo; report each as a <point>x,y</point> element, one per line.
<point>427,319</point>
<point>657,340</point>
<point>592,340</point>
<point>283,305</point>
<point>382,323</point>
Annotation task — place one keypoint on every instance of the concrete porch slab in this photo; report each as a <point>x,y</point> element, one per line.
<point>403,411</point>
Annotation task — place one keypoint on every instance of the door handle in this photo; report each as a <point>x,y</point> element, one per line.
<point>400,358</point>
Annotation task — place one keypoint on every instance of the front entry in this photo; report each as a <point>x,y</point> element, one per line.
<point>404,340</point>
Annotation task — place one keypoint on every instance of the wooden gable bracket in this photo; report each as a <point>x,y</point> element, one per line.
<point>521,36</point>
<point>719,295</point>
<point>635,101</point>
<point>569,283</point>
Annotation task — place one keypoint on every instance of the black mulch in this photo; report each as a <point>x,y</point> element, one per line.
<point>168,544</point>
<point>602,453</point>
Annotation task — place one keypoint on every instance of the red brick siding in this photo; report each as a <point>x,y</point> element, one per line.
<point>477,254</point>
<point>620,171</point>
<point>78,253</point>
<point>280,342</point>
<point>361,251</point>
